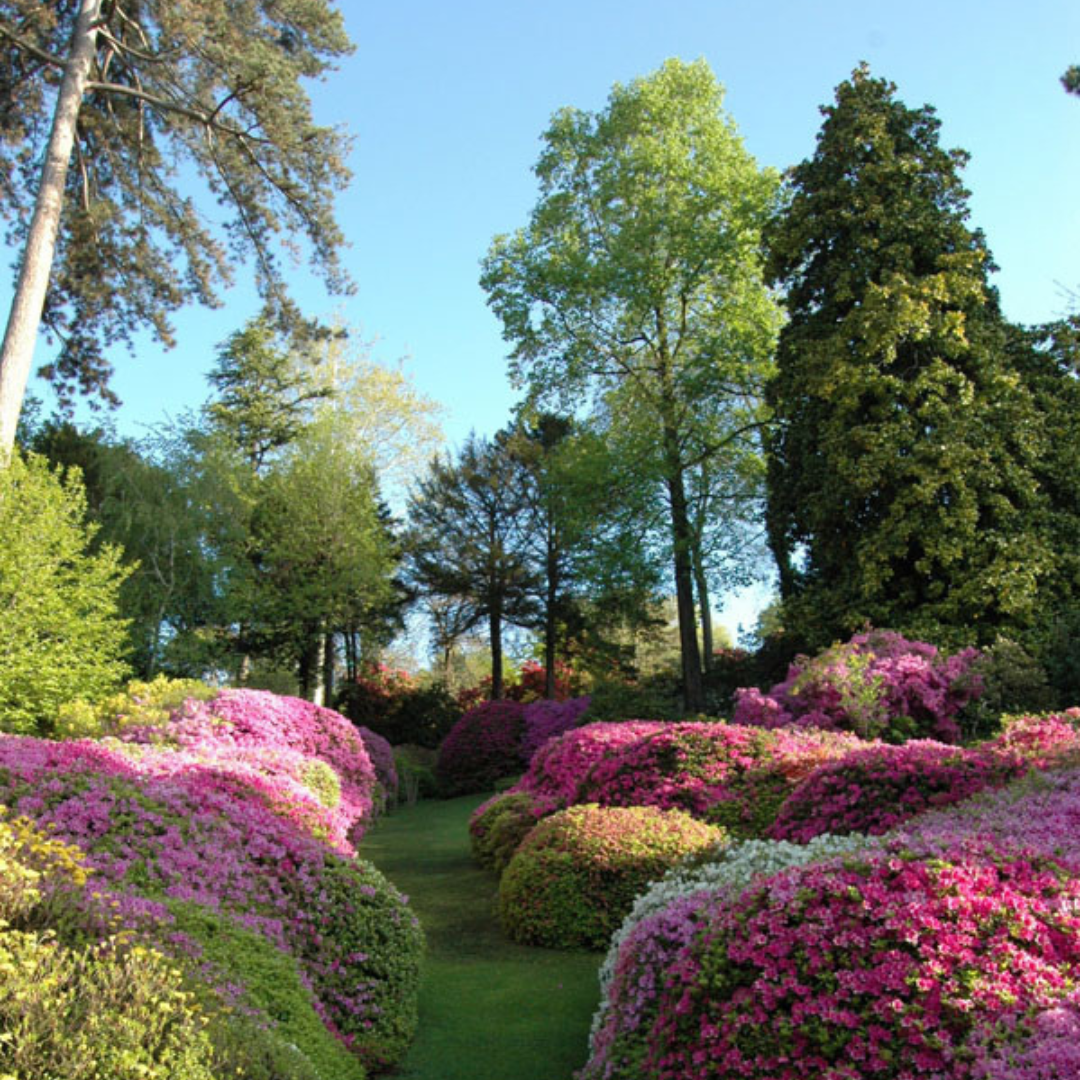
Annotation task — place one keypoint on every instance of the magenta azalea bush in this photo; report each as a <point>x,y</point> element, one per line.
<point>381,754</point>
<point>1043,740</point>
<point>873,790</point>
<point>878,684</point>
<point>574,877</point>
<point>545,720</point>
<point>482,747</point>
<point>1045,1046</point>
<point>876,965</point>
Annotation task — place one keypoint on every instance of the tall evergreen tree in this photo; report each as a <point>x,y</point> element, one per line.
<point>901,481</point>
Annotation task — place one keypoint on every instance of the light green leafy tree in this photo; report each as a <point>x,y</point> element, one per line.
<point>637,287</point>
<point>60,635</point>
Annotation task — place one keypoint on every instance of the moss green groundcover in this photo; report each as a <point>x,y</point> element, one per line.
<point>489,1009</point>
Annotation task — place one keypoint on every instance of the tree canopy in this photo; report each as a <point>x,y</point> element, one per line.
<point>637,286</point>
<point>152,94</point>
<point>902,479</point>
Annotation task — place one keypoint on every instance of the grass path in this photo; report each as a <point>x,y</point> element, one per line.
<point>489,1009</point>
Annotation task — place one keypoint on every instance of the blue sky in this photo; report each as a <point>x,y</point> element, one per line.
<point>447,104</point>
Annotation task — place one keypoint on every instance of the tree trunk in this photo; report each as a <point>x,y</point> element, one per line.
<point>17,352</point>
<point>495,627</point>
<point>328,661</point>
<point>693,689</point>
<point>551,600</point>
<point>703,603</point>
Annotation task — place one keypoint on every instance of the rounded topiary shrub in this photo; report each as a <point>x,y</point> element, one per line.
<point>873,790</point>
<point>884,965</point>
<point>498,826</point>
<point>575,876</point>
<point>483,746</point>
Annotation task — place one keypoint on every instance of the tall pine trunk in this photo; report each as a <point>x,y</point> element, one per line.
<point>17,352</point>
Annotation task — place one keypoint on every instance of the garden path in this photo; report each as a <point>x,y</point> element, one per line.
<point>489,1009</point>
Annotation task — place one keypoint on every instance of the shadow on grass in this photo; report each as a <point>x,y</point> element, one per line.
<point>489,1009</point>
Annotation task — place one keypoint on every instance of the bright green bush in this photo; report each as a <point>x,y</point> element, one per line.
<point>285,1038</point>
<point>60,635</point>
<point>575,876</point>
<point>113,1012</point>
<point>415,767</point>
<point>498,826</point>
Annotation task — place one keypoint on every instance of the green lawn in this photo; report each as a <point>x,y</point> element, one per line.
<point>489,1009</point>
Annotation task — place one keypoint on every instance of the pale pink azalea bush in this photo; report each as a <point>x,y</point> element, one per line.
<point>159,824</point>
<point>1041,739</point>
<point>878,684</point>
<point>873,790</point>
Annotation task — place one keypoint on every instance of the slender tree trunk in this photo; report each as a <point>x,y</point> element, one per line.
<point>550,601</point>
<point>328,660</point>
<point>693,689</point>
<point>703,603</point>
<point>495,627</point>
<point>17,352</point>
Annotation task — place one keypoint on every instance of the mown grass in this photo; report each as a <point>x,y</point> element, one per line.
<point>489,1009</point>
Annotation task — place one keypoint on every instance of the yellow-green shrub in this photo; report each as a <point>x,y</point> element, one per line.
<point>112,1012</point>
<point>140,703</point>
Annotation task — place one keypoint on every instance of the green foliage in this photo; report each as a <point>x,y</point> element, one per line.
<point>1071,79</point>
<point>220,88</point>
<point>576,874</point>
<point>401,712</point>
<point>656,698</point>
<point>1013,681</point>
<point>416,774</point>
<point>369,918</point>
<point>294,1034</point>
<point>140,703</point>
<point>496,831</point>
<point>903,486</point>
<point>60,634</point>
<point>637,287</point>
<point>113,1012</point>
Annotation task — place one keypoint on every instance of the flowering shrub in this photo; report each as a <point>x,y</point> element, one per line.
<point>662,922</point>
<point>381,754</point>
<point>880,964</point>
<point>1043,740</point>
<point>878,684</point>
<point>575,875</point>
<point>498,826</point>
<point>139,703</point>
<point>545,719</point>
<point>482,747</point>
<point>875,789</point>
<point>1045,1046</point>
<point>167,825</point>
<point>559,766</point>
<point>528,684</point>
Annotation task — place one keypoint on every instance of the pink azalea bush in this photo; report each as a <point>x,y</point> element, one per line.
<point>878,684</point>
<point>873,790</point>
<point>381,754</point>
<point>1043,740</point>
<point>482,747</point>
<point>574,877</point>
<point>1045,1046</point>
<point>875,965</point>
<point>228,831</point>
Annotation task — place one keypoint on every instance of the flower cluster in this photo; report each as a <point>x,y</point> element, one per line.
<point>1045,1046</point>
<point>878,684</point>
<point>545,720</point>
<point>873,790</point>
<point>575,876</point>
<point>1043,740</point>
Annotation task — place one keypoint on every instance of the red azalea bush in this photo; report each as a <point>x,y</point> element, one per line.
<point>575,876</point>
<point>878,684</point>
<point>482,747</point>
<point>873,790</point>
<point>877,965</point>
